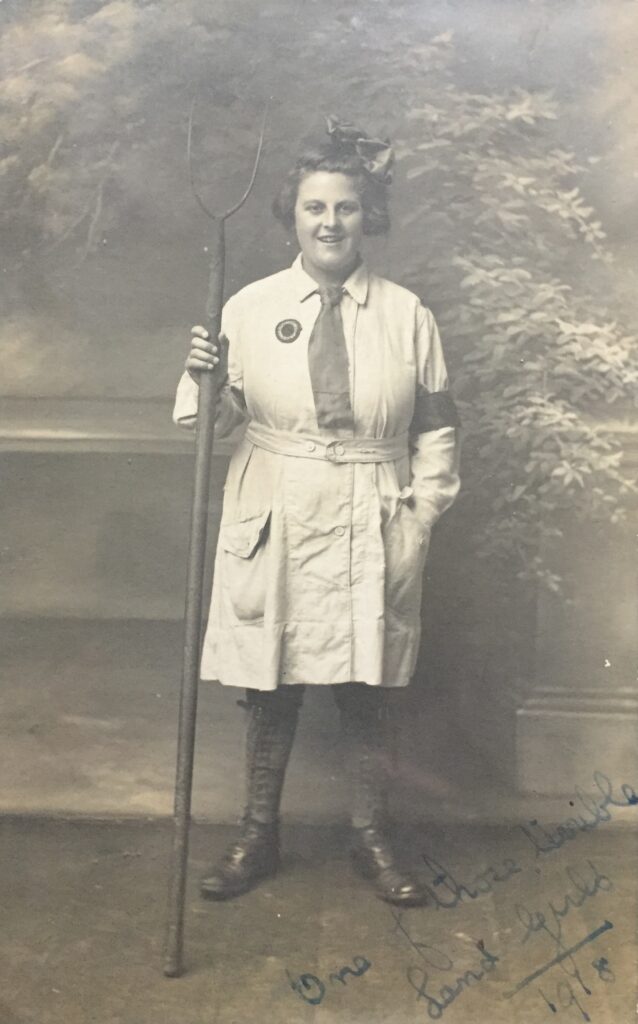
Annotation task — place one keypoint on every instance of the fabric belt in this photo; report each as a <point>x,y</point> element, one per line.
<point>337,449</point>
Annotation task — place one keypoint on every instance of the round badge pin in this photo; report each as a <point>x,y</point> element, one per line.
<point>288,330</point>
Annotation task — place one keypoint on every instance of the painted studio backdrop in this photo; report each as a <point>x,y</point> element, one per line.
<point>514,219</point>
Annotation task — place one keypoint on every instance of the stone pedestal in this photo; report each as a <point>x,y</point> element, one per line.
<point>579,709</point>
<point>544,688</point>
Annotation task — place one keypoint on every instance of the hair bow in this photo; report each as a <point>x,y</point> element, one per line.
<point>376,155</point>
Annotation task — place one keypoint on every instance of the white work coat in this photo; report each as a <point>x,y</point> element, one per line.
<point>319,564</point>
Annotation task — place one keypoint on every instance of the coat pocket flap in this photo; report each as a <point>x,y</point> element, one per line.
<point>242,538</point>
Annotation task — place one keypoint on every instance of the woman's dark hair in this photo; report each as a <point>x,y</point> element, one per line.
<point>341,159</point>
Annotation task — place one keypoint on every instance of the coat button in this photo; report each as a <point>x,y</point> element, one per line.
<point>339,530</point>
<point>310,446</point>
<point>339,449</point>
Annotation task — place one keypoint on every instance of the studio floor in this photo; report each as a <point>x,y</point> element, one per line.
<point>83,928</point>
<point>520,926</point>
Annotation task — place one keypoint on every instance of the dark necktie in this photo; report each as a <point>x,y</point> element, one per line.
<point>328,363</point>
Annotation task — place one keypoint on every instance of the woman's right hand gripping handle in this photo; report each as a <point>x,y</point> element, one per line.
<point>207,356</point>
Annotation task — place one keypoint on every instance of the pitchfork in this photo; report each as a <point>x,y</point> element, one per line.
<point>209,386</point>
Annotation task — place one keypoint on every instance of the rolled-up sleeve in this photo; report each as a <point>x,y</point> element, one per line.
<point>434,431</point>
<point>231,407</point>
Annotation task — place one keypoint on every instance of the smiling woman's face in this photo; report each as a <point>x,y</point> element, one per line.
<point>329,225</point>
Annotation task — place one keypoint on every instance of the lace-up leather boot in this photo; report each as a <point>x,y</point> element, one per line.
<point>374,858</point>
<point>365,723</point>
<point>251,858</point>
<point>272,723</point>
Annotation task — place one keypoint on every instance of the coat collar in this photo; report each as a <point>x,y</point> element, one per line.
<point>356,286</point>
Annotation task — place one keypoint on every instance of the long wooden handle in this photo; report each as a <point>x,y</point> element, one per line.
<point>208,388</point>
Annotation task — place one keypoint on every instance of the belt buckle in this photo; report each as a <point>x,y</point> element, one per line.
<point>336,450</point>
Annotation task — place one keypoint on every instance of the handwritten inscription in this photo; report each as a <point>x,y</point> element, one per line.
<point>597,808</point>
<point>439,980</point>
<point>447,994</point>
<point>446,891</point>
<point>551,921</point>
<point>566,996</point>
<point>430,954</point>
<point>312,989</point>
<point>437,1001</point>
<point>566,954</point>
<point>604,971</point>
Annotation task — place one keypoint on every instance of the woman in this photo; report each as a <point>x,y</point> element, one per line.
<point>348,458</point>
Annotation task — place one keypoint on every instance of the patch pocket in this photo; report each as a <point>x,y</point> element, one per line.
<point>245,546</point>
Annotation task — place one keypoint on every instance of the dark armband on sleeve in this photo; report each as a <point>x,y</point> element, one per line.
<point>432,411</point>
